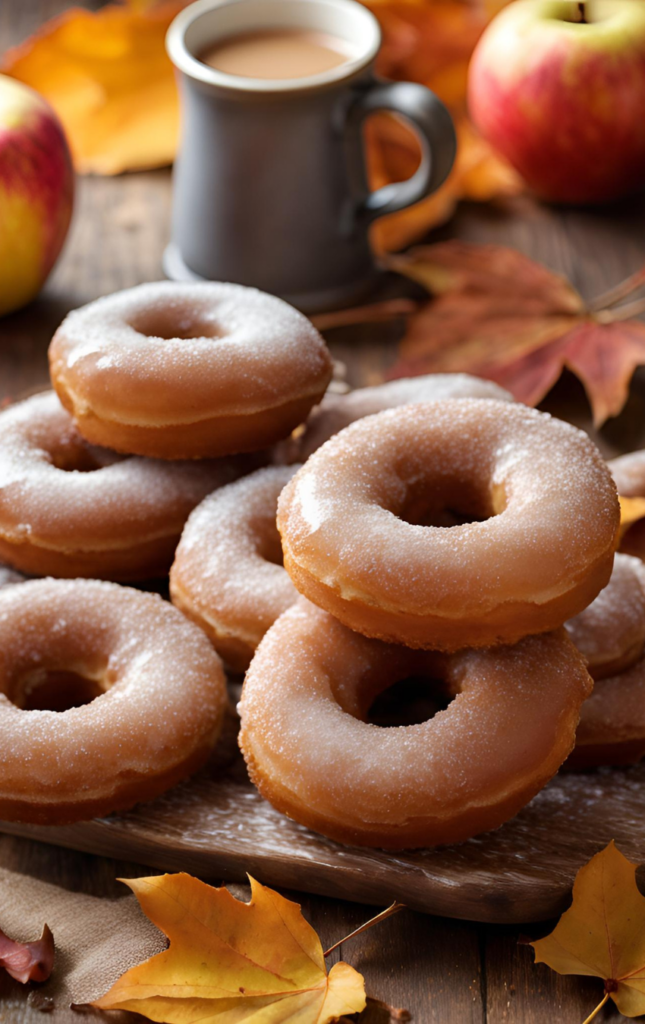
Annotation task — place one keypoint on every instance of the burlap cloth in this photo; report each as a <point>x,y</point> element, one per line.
<point>96,939</point>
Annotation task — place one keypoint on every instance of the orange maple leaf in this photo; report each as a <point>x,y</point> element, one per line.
<point>107,76</point>
<point>257,962</point>
<point>603,933</point>
<point>500,315</point>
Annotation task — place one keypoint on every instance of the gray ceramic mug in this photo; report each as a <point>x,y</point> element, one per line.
<point>270,185</point>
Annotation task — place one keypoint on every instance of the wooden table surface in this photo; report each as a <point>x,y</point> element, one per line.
<point>448,972</point>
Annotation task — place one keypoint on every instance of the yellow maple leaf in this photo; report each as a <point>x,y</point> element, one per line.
<point>257,962</point>
<point>603,932</point>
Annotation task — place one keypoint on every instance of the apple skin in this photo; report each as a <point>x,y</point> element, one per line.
<point>36,192</point>
<point>565,102</point>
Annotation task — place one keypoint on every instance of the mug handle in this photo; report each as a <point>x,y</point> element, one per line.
<point>436,133</point>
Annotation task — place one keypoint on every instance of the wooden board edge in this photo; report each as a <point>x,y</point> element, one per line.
<point>468,902</point>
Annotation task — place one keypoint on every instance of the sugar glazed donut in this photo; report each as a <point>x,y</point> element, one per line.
<point>612,721</point>
<point>629,473</point>
<point>158,688</point>
<point>70,509</point>
<point>312,754</point>
<point>179,371</point>
<point>367,524</point>
<point>610,634</point>
<point>227,575</point>
<point>336,412</point>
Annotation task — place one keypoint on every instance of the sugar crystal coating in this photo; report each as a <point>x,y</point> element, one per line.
<point>614,714</point>
<point>511,723</point>
<point>336,412</point>
<point>611,635</point>
<point>225,570</point>
<point>629,473</point>
<point>111,502</point>
<point>554,508</point>
<point>612,628</point>
<point>164,690</point>
<point>215,348</point>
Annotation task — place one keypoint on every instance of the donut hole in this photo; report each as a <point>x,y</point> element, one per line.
<point>409,701</point>
<point>169,324</point>
<point>75,459</point>
<point>270,547</point>
<point>55,689</point>
<point>448,503</point>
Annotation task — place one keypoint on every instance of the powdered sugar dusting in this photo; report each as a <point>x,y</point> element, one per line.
<point>336,412</point>
<point>613,626</point>
<point>118,500</point>
<point>221,567</point>
<point>215,348</point>
<point>629,473</point>
<point>164,688</point>
<point>312,680</point>
<point>342,517</point>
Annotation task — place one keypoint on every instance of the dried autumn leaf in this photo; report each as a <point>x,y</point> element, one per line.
<point>500,315</point>
<point>107,76</point>
<point>257,962</point>
<point>28,961</point>
<point>603,933</point>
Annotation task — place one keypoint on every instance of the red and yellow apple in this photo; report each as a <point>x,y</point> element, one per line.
<point>558,88</point>
<point>36,192</point>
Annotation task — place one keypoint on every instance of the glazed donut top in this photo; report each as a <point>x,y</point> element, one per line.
<point>221,348</point>
<point>50,475</point>
<point>336,412</point>
<point>162,684</point>
<point>610,633</point>
<point>359,501</point>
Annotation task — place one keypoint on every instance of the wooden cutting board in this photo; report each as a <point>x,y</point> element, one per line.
<point>217,826</point>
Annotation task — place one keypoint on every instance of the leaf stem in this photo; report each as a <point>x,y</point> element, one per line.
<point>386,310</point>
<point>393,909</point>
<point>626,312</point>
<point>619,291</point>
<point>597,1010</point>
<point>582,13</point>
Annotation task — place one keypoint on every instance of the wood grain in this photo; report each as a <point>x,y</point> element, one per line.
<point>219,827</point>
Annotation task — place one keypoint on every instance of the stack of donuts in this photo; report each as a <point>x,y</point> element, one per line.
<point>330,547</point>
<point>162,394</point>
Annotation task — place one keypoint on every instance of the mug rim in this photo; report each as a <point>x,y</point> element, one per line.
<point>190,65</point>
